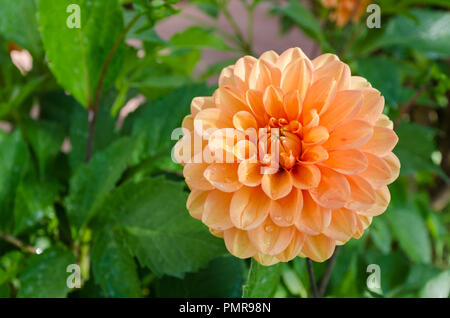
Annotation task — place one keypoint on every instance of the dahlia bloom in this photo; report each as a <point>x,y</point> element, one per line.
<point>344,10</point>
<point>313,175</point>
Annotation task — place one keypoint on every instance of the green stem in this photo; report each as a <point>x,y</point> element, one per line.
<point>312,279</point>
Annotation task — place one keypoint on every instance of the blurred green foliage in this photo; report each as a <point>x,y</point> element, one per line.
<point>119,211</point>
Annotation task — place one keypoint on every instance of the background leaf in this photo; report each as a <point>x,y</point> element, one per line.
<point>262,280</point>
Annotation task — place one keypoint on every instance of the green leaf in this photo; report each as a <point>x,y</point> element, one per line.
<point>34,201</point>
<point>381,235</point>
<point>262,280</point>
<point>77,55</point>
<point>13,164</point>
<point>384,75</point>
<point>158,229</point>
<point>415,152</point>
<point>427,30</point>
<point>437,287</point>
<point>18,23</point>
<point>114,267</point>
<point>199,38</point>
<point>305,20</point>
<point>45,275</point>
<point>222,278</point>
<point>409,228</point>
<point>154,122</point>
<point>46,139</point>
<point>418,275</point>
<point>92,182</point>
<point>57,106</point>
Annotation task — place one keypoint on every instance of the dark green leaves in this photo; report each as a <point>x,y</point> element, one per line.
<point>18,23</point>
<point>384,75</point>
<point>92,182</point>
<point>45,275</point>
<point>196,37</point>
<point>13,163</point>
<point>262,280</point>
<point>424,30</point>
<point>158,230</point>
<point>222,278</point>
<point>114,268</point>
<point>77,55</point>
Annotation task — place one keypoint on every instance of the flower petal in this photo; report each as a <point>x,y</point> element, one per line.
<point>193,174</point>
<point>294,248</point>
<point>292,104</point>
<point>268,238</point>
<point>216,213</point>
<point>249,173</point>
<point>362,195</point>
<point>314,154</point>
<point>249,208</point>
<point>372,105</point>
<point>288,56</point>
<point>349,136</point>
<point>333,190</point>
<point>196,202</point>
<point>319,248</point>
<point>277,185</point>
<point>263,74</point>
<point>382,198</point>
<point>273,101</point>
<point>244,120</point>
<point>285,211</point>
<point>200,103</point>
<point>344,107</point>
<point>346,161</point>
<point>223,176</point>
<point>342,225</point>
<point>315,135</point>
<point>382,141</point>
<point>378,172</point>
<point>228,102</point>
<point>318,97</point>
<point>394,164</point>
<point>297,76</point>
<point>313,218</point>
<point>238,243</point>
<point>305,176</point>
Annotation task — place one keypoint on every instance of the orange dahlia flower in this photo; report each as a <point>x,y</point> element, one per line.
<point>344,10</point>
<point>313,175</point>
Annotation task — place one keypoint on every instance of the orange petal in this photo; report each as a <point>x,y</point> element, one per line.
<point>313,218</point>
<point>323,59</point>
<point>244,120</point>
<point>319,248</point>
<point>362,222</point>
<point>277,185</point>
<point>362,195</point>
<point>288,56</point>
<point>314,154</point>
<point>238,243</point>
<point>378,172</point>
<point>394,164</point>
<point>372,105</point>
<point>338,70</point>
<point>382,141</point>
<point>270,56</point>
<point>216,213</point>
<point>268,238</point>
<point>245,149</point>
<point>342,225</point>
<point>263,74</point>
<point>254,100</point>
<point>193,174</point>
<point>358,82</point>
<point>292,105</point>
<point>223,176</point>
<point>349,136</point>
<point>344,107</point>
<point>318,97</point>
<point>249,173</point>
<point>293,249</point>
<point>210,119</point>
<point>305,176</point>
<point>382,199</point>
<point>200,103</point>
<point>273,102</point>
<point>226,77</point>
<point>346,161</point>
<point>216,233</point>
<point>227,101</point>
<point>384,121</point>
<point>285,211</point>
<point>297,76</point>
<point>196,202</point>
<point>333,190</point>
<point>315,135</point>
<point>265,259</point>
<point>242,70</point>
<point>249,208</point>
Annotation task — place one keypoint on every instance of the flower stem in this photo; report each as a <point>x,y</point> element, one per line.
<point>18,243</point>
<point>327,275</point>
<point>312,279</point>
